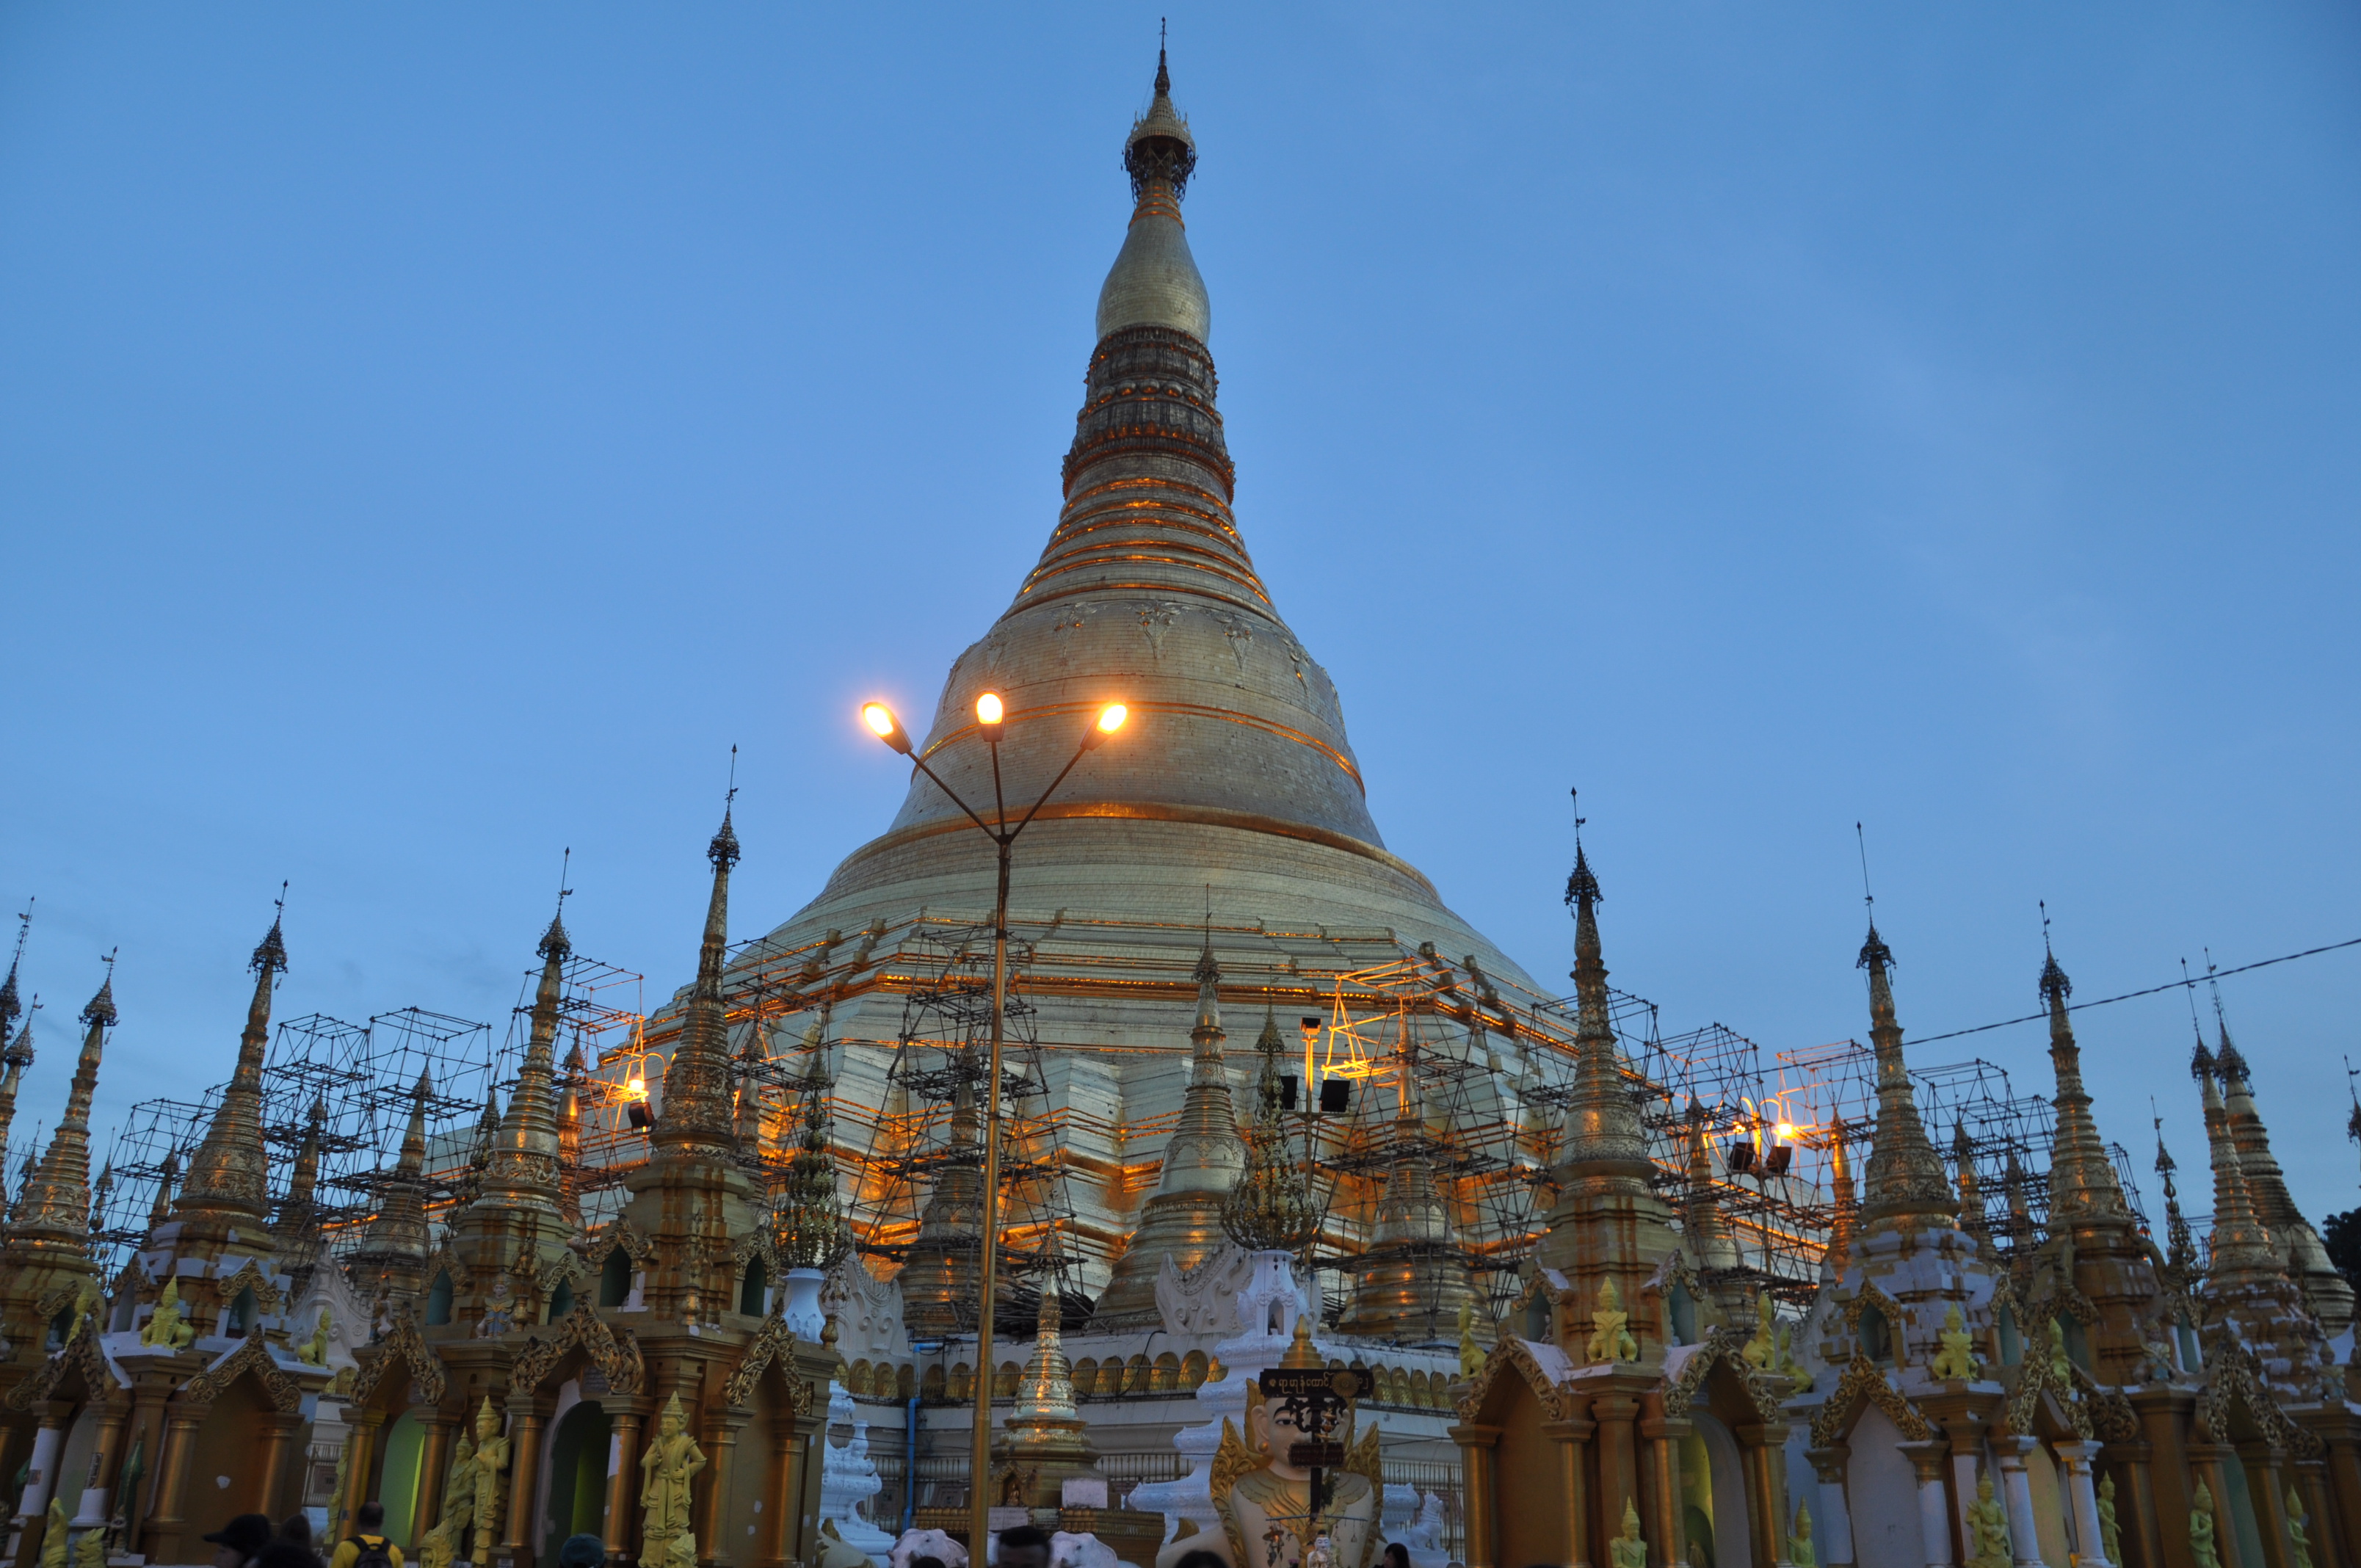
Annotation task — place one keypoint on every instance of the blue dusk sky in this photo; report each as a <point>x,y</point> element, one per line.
<point>431,436</point>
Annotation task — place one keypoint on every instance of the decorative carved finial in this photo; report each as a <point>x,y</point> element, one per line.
<point>554,943</point>
<point>271,953</point>
<point>10,1008</point>
<point>1160,149</point>
<point>101,1010</point>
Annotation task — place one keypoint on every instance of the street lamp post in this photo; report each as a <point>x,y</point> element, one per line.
<point>990,713</point>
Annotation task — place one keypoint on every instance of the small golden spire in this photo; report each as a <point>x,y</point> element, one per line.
<point>699,1115</point>
<point>1906,1186</point>
<point>230,1174</point>
<point>397,1241</point>
<point>2240,1248</point>
<point>1710,1246</point>
<point>1840,1195</point>
<point>810,1228</point>
<point>299,1207</point>
<point>1269,1208</point>
<point>2082,1185</point>
<point>1301,1351</point>
<point>520,1168</point>
<point>54,1205</point>
<point>1603,1137</point>
<point>1971,1192</point>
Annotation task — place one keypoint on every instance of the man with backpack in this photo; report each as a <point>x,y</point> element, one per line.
<point>367,1547</point>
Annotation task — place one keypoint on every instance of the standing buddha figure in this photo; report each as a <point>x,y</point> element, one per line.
<point>670,1463</point>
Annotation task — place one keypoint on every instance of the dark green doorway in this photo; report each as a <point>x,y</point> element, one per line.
<point>577,1476</point>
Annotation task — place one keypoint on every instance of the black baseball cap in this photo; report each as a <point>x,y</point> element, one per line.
<point>249,1533</point>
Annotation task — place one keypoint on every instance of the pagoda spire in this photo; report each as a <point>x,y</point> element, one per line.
<point>1608,1229</point>
<point>1268,1210</point>
<point>1412,1279</point>
<point>937,1283</point>
<point>230,1174</point>
<point>1046,1440</point>
<point>808,1218</point>
<point>1906,1188</point>
<point>298,1208</point>
<point>569,1132</point>
<point>697,1112</point>
<point>15,1056</point>
<point>15,1044</point>
<point>1710,1246</point>
<point>2083,1190</point>
<point>522,1172</point>
<point>1971,1192</point>
<point>397,1240</point>
<point>166,1174</point>
<point>1603,1137</point>
<point>2181,1242</point>
<point>2240,1248</point>
<point>1203,1161</point>
<point>1154,280</point>
<point>2294,1239</point>
<point>53,1207</point>
<point>753,1057</point>
<point>1841,1203</point>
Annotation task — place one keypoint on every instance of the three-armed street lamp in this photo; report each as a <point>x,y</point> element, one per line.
<point>989,714</point>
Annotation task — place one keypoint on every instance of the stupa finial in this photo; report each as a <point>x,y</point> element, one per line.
<point>229,1171</point>
<point>1905,1183</point>
<point>2082,1183</point>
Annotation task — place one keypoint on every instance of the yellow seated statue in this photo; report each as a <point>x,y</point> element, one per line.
<point>169,1327</point>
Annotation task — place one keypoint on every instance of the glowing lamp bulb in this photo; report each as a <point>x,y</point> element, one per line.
<point>988,709</point>
<point>1786,1131</point>
<point>1111,717</point>
<point>888,728</point>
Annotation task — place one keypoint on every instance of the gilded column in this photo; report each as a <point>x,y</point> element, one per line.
<point>520,1535</point>
<point>722,1454</point>
<point>1619,1468</point>
<point>2311,1479</point>
<point>278,1431</point>
<point>1762,1448</point>
<point>623,1517</point>
<point>145,1436</point>
<point>811,1428</point>
<point>1574,1438</point>
<point>168,1527</point>
<point>1661,1501</point>
<point>361,1454</point>
<point>1475,1447</point>
<point>779,1490</point>
<point>95,1506</point>
<point>434,1461</point>
<point>2345,1483</point>
<point>2205,1462</point>
<point>2266,1487</point>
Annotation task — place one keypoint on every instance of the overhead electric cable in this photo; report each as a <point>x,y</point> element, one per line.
<point>2150,990</point>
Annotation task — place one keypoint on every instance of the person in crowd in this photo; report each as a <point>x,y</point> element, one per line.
<point>1023,1546</point>
<point>367,1547</point>
<point>580,1552</point>
<point>240,1542</point>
